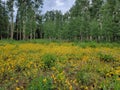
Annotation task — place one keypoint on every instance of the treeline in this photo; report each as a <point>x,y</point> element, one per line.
<point>87,20</point>
<point>20,19</point>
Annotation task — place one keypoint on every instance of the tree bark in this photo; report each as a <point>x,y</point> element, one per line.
<point>17,34</point>
<point>20,35</point>
<point>31,35</point>
<point>23,30</point>
<point>34,34</point>
<point>91,38</point>
<point>12,25</point>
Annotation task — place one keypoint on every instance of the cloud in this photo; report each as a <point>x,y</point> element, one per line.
<point>59,3</point>
<point>63,5</point>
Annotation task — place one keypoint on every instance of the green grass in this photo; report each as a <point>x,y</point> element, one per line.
<point>47,41</point>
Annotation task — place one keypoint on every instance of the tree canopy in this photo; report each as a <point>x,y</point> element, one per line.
<point>87,20</point>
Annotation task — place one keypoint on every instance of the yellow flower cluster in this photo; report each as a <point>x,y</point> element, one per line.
<point>23,61</point>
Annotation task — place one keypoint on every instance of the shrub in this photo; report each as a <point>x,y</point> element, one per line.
<point>93,46</point>
<point>112,84</point>
<point>86,78</point>
<point>49,60</point>
<point>106,57</point>
<point>41,83</point>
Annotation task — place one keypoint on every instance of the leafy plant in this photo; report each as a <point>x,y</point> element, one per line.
<point>112,84</point>
<point>106,57</point>
<point>40,83</point>
<point>86,78</point>
<point>49,60</point>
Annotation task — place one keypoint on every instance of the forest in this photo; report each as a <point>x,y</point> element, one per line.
<point>95,20</point>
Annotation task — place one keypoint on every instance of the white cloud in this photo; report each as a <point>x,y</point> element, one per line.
<point>63,5</point>
<point>59,3</point>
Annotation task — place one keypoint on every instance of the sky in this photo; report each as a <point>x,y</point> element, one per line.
<point>63,5</point>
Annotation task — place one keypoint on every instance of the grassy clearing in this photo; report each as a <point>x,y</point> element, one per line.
<point>46,65</point>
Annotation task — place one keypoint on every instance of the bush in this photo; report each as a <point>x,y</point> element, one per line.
<point>93,46</point>
<point>112,84</point>
<point>86,78</point>
<point>106,57</point>
<point>41,83</point>
<point>49,60</point>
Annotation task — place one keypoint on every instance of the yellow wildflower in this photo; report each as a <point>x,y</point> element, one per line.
<point>17,88</point>
<point>44,80</point>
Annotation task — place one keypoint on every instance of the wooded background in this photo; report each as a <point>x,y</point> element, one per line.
<point>98,20</point>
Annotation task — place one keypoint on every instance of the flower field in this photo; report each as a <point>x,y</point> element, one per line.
<point>54,66</point>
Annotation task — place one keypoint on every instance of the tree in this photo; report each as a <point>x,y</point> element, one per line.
<point>87,20</point>
<point>3,20</point>
<point>10,5</point>
<point>110,13</point>
<point>27,11</point>
<point>80,19</point>
<point>53,24</point>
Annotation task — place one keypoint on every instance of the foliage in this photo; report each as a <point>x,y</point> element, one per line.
<point>49,60</point>
<point>58,65</point>
<point>113,84</point>
<point>86,78</point>
<point>106,57</point>
<point>41,83</point>
<point>4,21</point>
<point>86,20</point>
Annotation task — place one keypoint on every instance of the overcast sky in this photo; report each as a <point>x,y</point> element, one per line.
<point>63,5</point>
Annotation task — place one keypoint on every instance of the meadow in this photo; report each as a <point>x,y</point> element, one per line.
<point>43,65</point>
